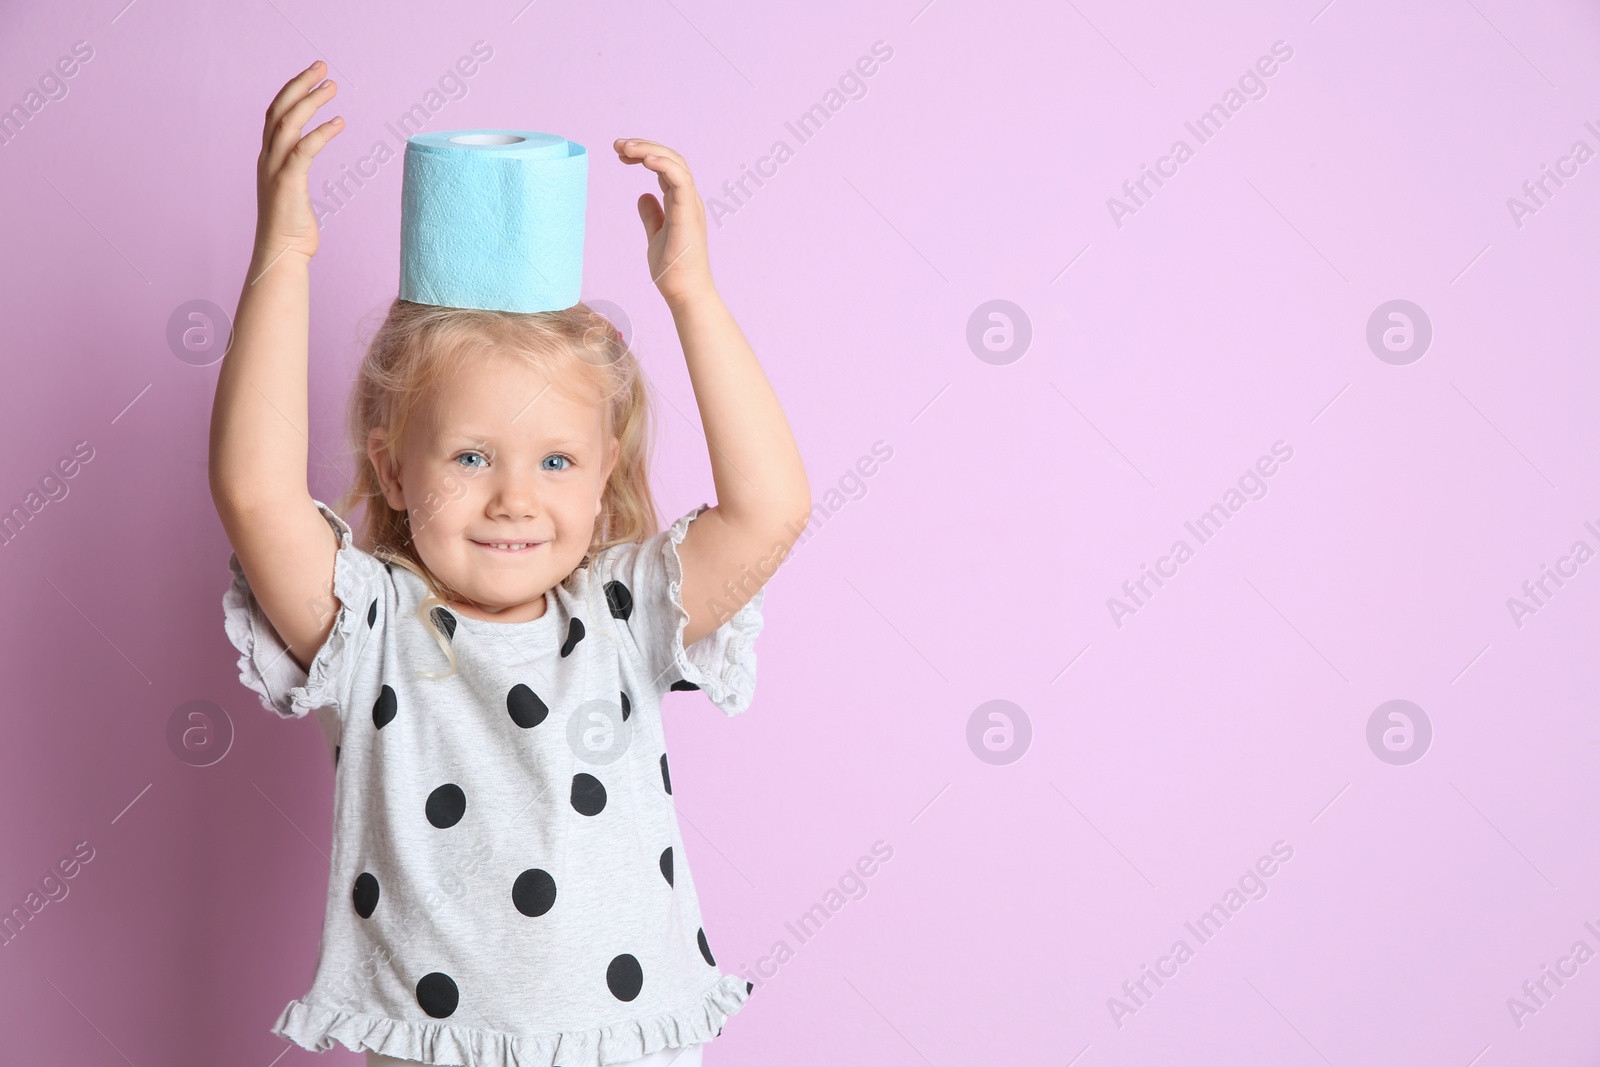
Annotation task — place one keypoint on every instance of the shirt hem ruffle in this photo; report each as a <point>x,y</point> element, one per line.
<point>732,644</point>
<point>316,1028</point>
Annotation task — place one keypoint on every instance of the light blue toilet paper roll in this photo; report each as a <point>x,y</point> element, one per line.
<point>493,219</point>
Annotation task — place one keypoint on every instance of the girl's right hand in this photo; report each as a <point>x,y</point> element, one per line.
<point>284,220</point>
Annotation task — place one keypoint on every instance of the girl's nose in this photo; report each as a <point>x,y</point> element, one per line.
<point>514,499</point>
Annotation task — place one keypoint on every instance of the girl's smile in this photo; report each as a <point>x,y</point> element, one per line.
<point>509,548</point>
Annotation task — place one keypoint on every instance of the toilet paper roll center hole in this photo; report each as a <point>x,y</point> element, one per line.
<point>487,138</point>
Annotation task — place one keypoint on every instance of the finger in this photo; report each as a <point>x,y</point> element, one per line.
<point>672,171</point>
<point>651,214</point>
<point>683,206</point>
<point>633,150</point>
<point>295,88</point>
<point>287,134</point>
<point>282,136</point>
<point>293,119</point>
<point>300,157</point>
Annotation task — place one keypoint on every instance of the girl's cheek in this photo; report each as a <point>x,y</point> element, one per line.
<point>451,486</point>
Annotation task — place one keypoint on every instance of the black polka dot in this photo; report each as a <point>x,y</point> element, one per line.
<point>365,895</point>
<point>627,708</point>
<point>666,779</point>
<point>624,977</point>
<point>588,795</point>
<point>445,621</point>
<point>574,635</point>
<point>534,892</point>
<point>384,708</point>
<point>446,805</point>
<point>619,600</point>
<point>682,685</point>
<point>437,995</point>
<point>666,864</point>
<point>748,988</point>
<point>705,947</point>
<point>526,709</point>
<point>372,614</point>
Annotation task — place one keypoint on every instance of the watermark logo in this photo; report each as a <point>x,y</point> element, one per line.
<point>597,733</point>
<point>737,192</point>
<point>852,485</point>
<point>52,889</point>
<point>1537,591</point>
<point>339,191</point>
<point>199,733</point>
<point>1536,992</point>
<point>617,317</point>
<point>851,885</point>
<point>199,333</point>
<point>1539,190</point>
<point>1252,485</point>
<point>1399,332</point>
<point>1209,123</point>
<point>999,332</point>
<point>849,486</point>
<point>53,489</point>
<point>999,732</point>
<point>1399,732</point>
<point>1251,886</point>
<point>52,88</point>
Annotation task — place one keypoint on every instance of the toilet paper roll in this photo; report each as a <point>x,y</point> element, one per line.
<point>493,219</point>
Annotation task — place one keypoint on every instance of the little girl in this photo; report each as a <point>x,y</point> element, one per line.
<point>488,655</point>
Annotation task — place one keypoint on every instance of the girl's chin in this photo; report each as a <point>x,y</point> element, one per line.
<point>493,607</point>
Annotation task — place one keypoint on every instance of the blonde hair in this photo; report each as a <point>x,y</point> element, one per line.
<point>419,347</point>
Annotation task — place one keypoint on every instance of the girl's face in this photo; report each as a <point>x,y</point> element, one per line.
<point>502,457</point>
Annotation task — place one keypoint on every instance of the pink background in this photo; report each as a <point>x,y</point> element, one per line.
<point>1229,713</point>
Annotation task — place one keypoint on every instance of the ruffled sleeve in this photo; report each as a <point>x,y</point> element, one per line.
<point>265,665</point>
<point>643,587</point>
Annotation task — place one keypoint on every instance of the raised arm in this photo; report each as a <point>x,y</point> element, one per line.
<point>258,419</point>
<point>763,496</point>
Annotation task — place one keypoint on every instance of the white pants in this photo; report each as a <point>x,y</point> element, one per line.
<point>688,1056</point>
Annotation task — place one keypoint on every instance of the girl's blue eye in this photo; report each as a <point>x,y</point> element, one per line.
<point>556,455</point>
<point>480,455</point>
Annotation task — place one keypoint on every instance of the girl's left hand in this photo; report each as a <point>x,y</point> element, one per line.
<point>679,264</point>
